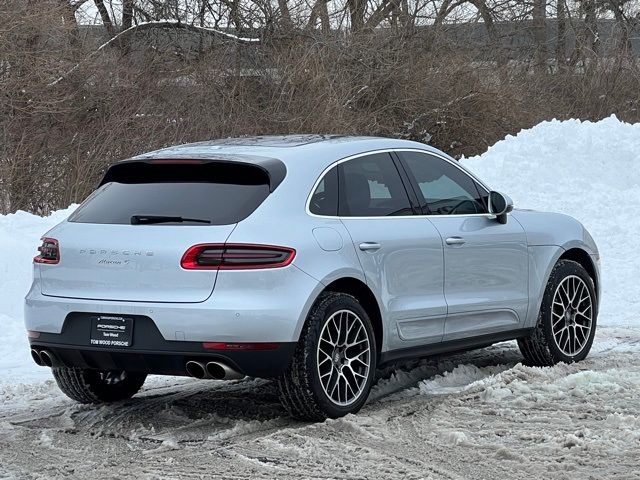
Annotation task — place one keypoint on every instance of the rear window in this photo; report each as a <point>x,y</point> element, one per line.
<point>215,193</point>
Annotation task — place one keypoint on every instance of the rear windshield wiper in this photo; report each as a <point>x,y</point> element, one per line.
<point>150,219</point>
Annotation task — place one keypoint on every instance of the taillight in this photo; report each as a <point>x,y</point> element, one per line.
<point>49,252</point>
<point>236,257</point>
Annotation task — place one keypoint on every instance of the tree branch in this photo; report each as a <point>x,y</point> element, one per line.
<point>383,10</point>
<point>104,16</point>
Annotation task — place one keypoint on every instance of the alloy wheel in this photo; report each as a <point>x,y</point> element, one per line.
<point>571,315</point>
<point>344,357</point>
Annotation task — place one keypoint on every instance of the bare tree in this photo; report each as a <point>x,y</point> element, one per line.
<point>540,35</point>
<point>561,35</point>
<point>459,74</point>
<point>104,16</point>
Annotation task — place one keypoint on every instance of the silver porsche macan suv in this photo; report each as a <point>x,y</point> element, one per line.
<point>309,259</point>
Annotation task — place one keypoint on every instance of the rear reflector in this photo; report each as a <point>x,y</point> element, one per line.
<point>239,346</point>
<point>49,252</point>
<point>236,257</point>
<point>33,334</point>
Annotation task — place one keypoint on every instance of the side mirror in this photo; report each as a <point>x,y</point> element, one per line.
<point>499,205</point>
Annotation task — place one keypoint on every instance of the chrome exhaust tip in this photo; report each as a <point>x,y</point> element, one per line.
<point>36,357</point>
<point>47,358</point>
<point>221,371</point>
<point>196,369</point>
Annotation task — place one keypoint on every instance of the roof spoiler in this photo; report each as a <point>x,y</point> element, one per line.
<point>137,167</point>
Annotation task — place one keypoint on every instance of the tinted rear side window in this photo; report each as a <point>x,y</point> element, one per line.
<point>216,193</point>
<point>371,186</point>
<point>324,200</point>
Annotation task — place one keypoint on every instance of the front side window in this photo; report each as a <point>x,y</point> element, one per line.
<point>371,186</point>
<point>445,189</point>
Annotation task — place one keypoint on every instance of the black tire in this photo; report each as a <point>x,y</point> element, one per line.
<point>541,348</point>
<point>301,391</point>
<point>94,386</point>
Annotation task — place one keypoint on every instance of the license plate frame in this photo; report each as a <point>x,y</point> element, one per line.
<point>113,331</point>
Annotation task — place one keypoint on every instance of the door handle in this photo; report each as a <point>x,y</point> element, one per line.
<point>455,241</point>
<point>369,246</point>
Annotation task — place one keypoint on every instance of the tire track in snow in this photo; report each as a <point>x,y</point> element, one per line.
<point>190,408</point>
<point>238,430</point>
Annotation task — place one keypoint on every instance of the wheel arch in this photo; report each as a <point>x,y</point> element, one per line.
<point>581,256</point>
<point>542,260</point>
<point>364,295</point>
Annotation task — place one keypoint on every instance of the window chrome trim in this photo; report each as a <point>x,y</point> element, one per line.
<point>480,183</point>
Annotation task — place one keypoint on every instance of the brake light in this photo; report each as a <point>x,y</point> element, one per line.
<point>236,257</point>
<point>49,252</point>
<point>176,161</point>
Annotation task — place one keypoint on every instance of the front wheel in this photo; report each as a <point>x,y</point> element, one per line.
<point>567,320</point>
<point>95,386</point>
<point>334,363</point>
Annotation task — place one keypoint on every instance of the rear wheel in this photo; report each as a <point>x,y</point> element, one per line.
<point>334,363</point>
<point>95,386</point>
<point>567,320</point>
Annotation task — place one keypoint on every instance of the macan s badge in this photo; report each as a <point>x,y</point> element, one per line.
<point>137,253</point>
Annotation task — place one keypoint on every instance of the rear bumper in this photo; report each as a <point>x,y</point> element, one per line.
<point>243,308</point>
<point>151,353</point>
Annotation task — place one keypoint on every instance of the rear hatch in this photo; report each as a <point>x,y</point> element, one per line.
<point>126,241</point>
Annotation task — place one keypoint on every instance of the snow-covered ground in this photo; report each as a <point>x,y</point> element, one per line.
<point>475,415</point>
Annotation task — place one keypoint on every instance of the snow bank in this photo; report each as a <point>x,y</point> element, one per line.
<point>19,238</point>
<point>591,171</point>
